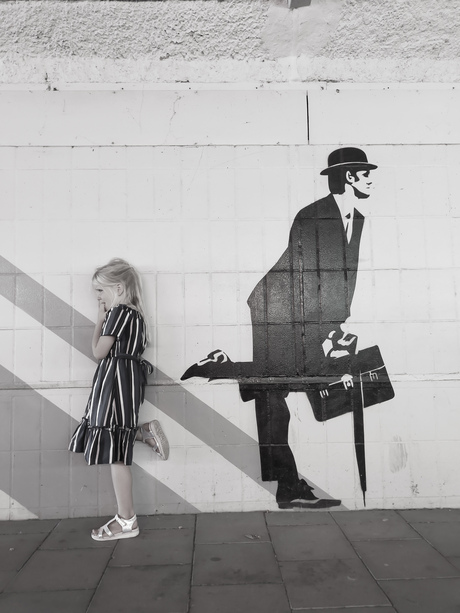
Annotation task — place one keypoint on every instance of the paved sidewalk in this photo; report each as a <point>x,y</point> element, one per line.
<point>331,562</point>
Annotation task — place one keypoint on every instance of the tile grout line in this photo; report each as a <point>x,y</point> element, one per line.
<point>277,561</point>
<point>192,565</point>
<point>364,564</point>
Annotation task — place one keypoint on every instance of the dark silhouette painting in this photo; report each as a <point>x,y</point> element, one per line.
<point>298,311</point>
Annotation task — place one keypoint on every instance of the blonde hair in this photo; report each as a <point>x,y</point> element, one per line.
<point>120,271</point>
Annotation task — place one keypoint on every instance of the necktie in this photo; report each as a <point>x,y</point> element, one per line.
<point>348,226</point>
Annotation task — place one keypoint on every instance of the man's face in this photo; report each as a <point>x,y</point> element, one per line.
<point>361,183</point>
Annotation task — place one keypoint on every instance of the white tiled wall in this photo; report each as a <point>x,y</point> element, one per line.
<point>198,190</point>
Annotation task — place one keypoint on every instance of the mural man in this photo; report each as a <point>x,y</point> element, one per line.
<point>298,312</point>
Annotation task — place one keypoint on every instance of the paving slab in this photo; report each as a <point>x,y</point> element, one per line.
<point>330,583</point>
<point>430,515</point>
<point>231,527</point>
<point>409,559</point>
<point>28,526</point>
<point>239,599</point>
<point>321,542</point>
<point>16,549</point>
<point>162,522</point>
<point>298,518</point>
<point>46,602</point>
<point>76,534</point>
<point>386,609</point>
<point>445,537</point>
<point>155,547</point>
<point>73,569</point>
<point>424,595</point>
<point>371,525</point>
<point>233,563</point>
<point>143,589</point>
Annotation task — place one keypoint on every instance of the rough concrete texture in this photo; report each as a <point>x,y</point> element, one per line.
<point>230,40</point>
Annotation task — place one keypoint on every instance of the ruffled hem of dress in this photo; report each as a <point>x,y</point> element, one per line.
<point>103,445</point>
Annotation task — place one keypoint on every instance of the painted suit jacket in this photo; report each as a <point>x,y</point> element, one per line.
<point>306,294</point>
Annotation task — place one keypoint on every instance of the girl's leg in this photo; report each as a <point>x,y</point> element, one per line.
<point>122,480</point>
<point>123,485</point>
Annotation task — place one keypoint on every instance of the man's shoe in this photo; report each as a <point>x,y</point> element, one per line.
<point>286,495</point>
<point>217,365</point>
<point>301,496</point>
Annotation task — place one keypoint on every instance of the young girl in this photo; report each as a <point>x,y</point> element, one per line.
<point>108,429</point>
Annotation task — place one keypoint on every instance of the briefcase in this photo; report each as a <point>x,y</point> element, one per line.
<point>370,385</point>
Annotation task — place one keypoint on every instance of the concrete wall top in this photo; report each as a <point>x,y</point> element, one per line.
<point>229,41</point>
<point>239,117</point>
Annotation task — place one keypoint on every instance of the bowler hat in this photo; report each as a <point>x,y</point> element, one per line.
<point>348,157</point>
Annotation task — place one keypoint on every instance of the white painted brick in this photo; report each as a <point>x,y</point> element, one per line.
<point>197,303</point>
<point>248,197</point>
<point>420,353</point>
<point>198,344</point>
<point>57,158</point>
<point>82,368</point>
<point>414,295</point>
<point>250,252</point>
<point>57,256</point>
<point>425,477</point>
<point>439,252</point>
<point>224,292</point>
<point>221,193</point>
<point>139,158</point>
<point>194,197</point>
<point>435,191</point>
<point>85,233</point>
<point>8,157</point>
<point>56,358</point>
<point>167,241</point>
<point>28,355</point>
<point>57,194</point>
<point>85,194</point>
<point>275,237</point>
<point>170,299</point>
<point>195,246</point>
<point>387,302</point>
<point>138,240</point>
<point>443,300</point>
<point>30,158</point>
<point>7,349</point>
<point>412,243</point>
<point>7,239</point>
<point>384,237</point>
<point>86,157</point>
<point>449,456</point>
<point>54,468</point>
<point>275,192</point>
<point>167,199</point>
<point>8,185</point>
<point>112,194</point>
<point>6,314</point>
<point>408,186</point>
<point>25,481</point>
<point>222,240</point>
<point>140,193</point>
<point>29,194</point>
<point>445,335</point>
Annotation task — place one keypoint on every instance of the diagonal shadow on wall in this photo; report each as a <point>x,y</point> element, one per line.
<point>190,412</point>
<point>34,419</point>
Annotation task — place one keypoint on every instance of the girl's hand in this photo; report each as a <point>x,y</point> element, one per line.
<point>101,311</point>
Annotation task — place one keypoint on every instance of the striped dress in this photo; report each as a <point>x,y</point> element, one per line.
<point>107,431</point>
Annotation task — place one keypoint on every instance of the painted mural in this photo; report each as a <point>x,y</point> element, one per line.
<point>301,341</point>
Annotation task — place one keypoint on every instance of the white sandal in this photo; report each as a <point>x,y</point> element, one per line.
<point>127,530</point>
<point>155,432</point>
